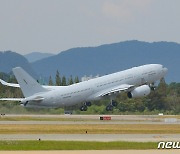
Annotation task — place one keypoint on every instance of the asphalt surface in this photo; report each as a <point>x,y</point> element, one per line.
<point>94,137</point>
<point>91,119</point>
<point>96,117</point>
<point>79,122</point>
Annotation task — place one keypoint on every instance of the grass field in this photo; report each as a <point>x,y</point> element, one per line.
<point>29,118</point>
<point>74,145</point>
<point>91,129</point>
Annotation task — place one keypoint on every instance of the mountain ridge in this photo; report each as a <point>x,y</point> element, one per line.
<point>9,60</point>
<point>34,56</point>
<point>109,58</point>
<point>100,60</point>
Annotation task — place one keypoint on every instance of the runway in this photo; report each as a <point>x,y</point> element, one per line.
<point>58,120</point>
<point>96,117</point>
<point>94,137</point>
<point>87,119</point>
<point>81,122</point>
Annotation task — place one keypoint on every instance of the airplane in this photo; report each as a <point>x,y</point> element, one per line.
<point>136,82</point>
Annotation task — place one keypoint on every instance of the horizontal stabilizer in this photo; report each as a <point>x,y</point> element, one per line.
<point>9,84</point>
<point>11,99</point>
<point>18,86</point>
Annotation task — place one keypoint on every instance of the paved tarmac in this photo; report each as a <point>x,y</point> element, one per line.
<point>91,119</point>
<point>80,122</point>
<point>96,117</point>
<point>94,137</point>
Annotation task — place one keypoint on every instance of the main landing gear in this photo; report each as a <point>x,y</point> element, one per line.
<point>111,105</point>
<point>85,106</point>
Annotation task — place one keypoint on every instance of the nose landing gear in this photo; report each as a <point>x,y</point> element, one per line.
<point>152,86</point>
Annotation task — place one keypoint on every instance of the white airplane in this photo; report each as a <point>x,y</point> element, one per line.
<point>137,82</point>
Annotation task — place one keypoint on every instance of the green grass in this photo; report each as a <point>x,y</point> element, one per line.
<point>31,118</point>
<point>90,128</point>
<point>74,145</point>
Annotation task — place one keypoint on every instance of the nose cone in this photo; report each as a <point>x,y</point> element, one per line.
<point>165,70</point>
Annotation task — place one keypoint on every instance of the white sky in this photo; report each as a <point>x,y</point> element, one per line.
<point>56,25</point>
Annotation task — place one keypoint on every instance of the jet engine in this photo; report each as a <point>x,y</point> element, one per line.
<point>141,91</point>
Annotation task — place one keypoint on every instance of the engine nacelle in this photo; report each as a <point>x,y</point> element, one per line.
<point>141,91</point>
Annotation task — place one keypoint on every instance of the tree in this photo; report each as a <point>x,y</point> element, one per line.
<point>76,79</point>
<point>155,101</point>
<point>58,79</point>
<point>162,87</point>
<point>70,81</point>
<point>64,81</point>
<point>50,81</point>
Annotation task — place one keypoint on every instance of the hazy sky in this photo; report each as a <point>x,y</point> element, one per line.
<point>57,25</point>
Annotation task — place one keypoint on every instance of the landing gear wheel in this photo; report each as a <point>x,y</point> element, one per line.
<point>153,88</point>
<point>83,108</point>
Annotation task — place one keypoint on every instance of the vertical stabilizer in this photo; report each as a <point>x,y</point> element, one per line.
<point>28,85</point>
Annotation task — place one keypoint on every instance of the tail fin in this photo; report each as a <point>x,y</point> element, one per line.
<point>27,84</point>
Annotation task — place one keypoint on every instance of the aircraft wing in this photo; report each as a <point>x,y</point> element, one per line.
<point>9,84</point>
<point>120,88</point>
<point>11,99</point>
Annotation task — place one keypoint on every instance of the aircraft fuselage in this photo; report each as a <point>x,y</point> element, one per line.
<point>90,90</point>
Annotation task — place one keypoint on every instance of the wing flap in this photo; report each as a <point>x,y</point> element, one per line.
<point>123,87</point>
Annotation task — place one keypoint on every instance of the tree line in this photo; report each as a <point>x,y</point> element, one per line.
<point>62,81</point>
